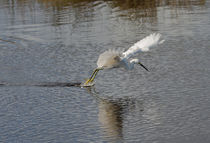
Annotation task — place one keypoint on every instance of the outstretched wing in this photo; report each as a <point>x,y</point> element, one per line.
<point>144,45</point>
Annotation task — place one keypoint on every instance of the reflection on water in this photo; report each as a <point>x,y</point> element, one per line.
<point>111,114</point>
<point>127,4</point>
<point>86,9</point>
<point>115,114</point>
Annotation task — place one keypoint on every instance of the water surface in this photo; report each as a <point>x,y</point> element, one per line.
<point>57,42</point>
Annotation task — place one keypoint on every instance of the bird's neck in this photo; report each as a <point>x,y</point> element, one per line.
<point>132,62</point>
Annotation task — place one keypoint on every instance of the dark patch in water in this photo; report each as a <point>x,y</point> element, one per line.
<point>58,84</point>
<point>44,84</point>
<point>1,84</point>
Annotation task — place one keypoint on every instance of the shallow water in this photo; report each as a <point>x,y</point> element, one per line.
<point>46,45</point>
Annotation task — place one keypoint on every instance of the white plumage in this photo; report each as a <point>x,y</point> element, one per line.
<point>144,45</point>
<point>113,58</point>
<point>109,59</point>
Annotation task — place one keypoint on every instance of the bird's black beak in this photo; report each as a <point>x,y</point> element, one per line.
<point>143,66</point>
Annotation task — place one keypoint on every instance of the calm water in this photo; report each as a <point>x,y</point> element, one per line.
<point>58,41</point>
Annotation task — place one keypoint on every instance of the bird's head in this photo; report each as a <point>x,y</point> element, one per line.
<point>137,61</point>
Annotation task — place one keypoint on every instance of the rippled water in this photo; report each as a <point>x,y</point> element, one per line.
<point>46,45</point>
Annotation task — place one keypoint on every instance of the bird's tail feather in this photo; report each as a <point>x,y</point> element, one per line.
<point>144,45</point>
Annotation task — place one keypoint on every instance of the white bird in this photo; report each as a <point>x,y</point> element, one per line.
<point>113,58</point>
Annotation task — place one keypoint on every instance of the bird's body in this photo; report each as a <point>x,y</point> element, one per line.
<point>114,58</point>
<point>109,59</point>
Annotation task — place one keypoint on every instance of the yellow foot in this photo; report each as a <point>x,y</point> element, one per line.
<point>88,83</point>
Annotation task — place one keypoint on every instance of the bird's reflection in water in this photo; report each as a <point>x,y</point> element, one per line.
<point>111,113</point>
<point>110,116</point>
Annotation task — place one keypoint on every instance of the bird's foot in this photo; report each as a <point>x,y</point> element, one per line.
<point>88,82</point>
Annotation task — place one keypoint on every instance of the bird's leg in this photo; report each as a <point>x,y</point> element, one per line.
<point>89,80</point>
<point>94,75</point>
<point>95,71</point>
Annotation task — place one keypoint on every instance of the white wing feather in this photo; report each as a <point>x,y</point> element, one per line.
<point>144,45</point>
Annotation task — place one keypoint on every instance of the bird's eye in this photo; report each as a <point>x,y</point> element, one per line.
<point>117,58</point>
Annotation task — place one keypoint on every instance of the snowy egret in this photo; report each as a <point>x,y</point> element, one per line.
<point>114,58</point>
